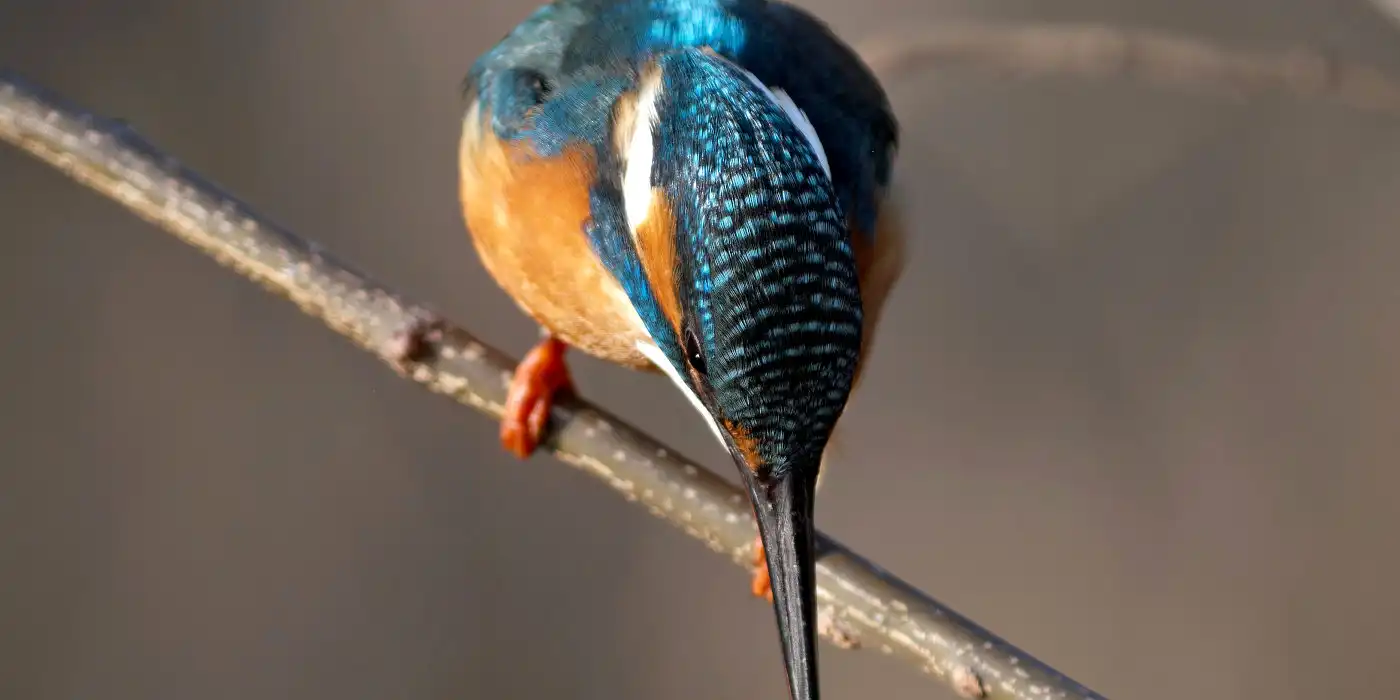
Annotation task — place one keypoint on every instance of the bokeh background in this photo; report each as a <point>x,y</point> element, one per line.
<point>1133,407</point>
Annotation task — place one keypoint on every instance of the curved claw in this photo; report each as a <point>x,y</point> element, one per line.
<point>538,379</point>
<point>762,585</point>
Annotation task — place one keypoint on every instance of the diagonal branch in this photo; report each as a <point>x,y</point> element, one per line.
<point>862,605</point>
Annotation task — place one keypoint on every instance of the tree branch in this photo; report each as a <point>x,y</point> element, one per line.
<point>861,604</point>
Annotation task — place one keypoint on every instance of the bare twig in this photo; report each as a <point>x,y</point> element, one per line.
<point>862,605</point>
<point>1091,51</point>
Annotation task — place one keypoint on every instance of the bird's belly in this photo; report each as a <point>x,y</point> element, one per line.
<point>526,216</point>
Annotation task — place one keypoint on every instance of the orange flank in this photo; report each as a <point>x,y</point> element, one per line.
<point>656,246</point>
<point>879,264</point>
<point>747,446</point>
<point>526,214</point>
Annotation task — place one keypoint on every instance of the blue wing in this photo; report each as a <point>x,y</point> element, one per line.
<point>569,61</point>
<point>842,98</point>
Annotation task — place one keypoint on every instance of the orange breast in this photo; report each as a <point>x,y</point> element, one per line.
<point>526,215</point>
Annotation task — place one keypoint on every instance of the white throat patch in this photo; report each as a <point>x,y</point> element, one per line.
<point>636,177</point>
<point>658,358</point>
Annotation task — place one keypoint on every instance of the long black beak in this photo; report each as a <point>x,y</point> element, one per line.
<point>783,504</point>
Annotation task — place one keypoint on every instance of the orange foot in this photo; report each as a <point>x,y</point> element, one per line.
<point>538,379</point>
<point>762,585</point>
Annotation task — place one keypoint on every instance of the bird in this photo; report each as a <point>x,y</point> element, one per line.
<point>699,189</point>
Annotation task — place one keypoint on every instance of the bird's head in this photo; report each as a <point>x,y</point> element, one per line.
<point>746,280</point>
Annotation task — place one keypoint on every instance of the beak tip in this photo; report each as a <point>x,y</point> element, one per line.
<point>783,505</point>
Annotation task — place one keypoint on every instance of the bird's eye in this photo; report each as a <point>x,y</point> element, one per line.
<point>692,352</point>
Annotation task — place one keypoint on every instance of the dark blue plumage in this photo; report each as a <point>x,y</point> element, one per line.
<point>769,279</point>
<point>734,155</point>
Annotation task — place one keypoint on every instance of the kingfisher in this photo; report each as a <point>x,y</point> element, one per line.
<point>694,188</point>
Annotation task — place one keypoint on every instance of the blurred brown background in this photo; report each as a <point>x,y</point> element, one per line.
<point>1134,406</point>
